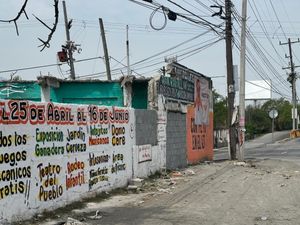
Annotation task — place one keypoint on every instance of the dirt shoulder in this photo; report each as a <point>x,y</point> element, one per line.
<point>258,192</point>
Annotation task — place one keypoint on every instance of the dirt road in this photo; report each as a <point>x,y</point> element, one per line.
<point>258,193</point>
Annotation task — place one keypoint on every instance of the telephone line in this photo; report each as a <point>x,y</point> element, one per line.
<point>47,65</point>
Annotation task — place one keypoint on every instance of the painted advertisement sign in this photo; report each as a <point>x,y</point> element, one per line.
<point>144,153</point>
<point>175,88</point>
<point>200,124</point>
<point>201,103</point>
<point>51,154</point>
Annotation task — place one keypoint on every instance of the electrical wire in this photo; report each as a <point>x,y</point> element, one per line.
<point>139,67</point>
<point>264,58</point>
<point>151,20</point>
<point>173,47</point>
<point>255,65</point>
<point>258,17</point>
<point>47,65</point>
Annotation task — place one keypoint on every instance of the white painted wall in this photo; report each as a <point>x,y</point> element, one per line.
<point>146,168</point>
<point>32,182</point>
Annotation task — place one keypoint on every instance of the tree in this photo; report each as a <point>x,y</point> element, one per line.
<point>258,121</point>
<point>284,108</point>
<point>45,43</point>
<point>220,111</point>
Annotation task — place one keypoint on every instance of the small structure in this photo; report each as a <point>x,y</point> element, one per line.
<point>183,99</point>
<point>97,92</point>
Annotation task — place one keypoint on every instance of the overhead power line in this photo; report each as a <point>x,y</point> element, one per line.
<point>47,65</point>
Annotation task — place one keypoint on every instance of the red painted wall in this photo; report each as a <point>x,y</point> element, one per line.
<point>199,138</point>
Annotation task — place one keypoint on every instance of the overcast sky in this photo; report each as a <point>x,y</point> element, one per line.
<point>279,19</point>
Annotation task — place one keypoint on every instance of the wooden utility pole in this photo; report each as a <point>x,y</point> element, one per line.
<point>69,42</point>
<point>242,83</point>
<point>292,78</point>
<point>230,80</point>
<point>106,58</point>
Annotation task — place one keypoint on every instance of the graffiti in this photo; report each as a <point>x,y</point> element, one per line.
<point>99,174</point>
<point>59,115</point>
<point>19,112</point>
<point>74,148</point>
<point>95,160</point>
<point>50,151</point>
<point>98,131</point>
<point>117,166</point>
<point>81,117</point>
<point>13,175</point>
<point>119,116</point>
<point>118,135</point>
<point>104,116</point>
<point>13,172</point>
<point>49,136</point>
<point>15,112</point>
<point>50,188</point>
<point>144,153</point>
<point>98,115</point>
<point>198,135</point>
<point>15,139</point>
<point>199,138</point>
<point>54,135</point>
<point>11,189</point>
<point>13,157</point>
<point>75,134</point>
<point>98,141</point>
<point>77,179</point>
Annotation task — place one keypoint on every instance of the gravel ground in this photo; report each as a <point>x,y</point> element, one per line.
<point>261,192</point>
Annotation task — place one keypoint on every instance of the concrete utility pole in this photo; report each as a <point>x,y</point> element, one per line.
<point>127,51</point>
<point>230,80</point>
<point>106,58</point>
<point>242,82</point>
<point>292,78</point>
<point>69,43</point>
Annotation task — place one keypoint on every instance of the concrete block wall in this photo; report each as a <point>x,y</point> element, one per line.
<point>146,127</point>
<point>146,152</point>
<point>176,140</point>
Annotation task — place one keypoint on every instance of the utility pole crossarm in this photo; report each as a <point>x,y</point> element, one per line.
<point>289,67</point>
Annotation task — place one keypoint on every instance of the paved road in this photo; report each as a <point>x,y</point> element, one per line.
<point>278,146</point>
